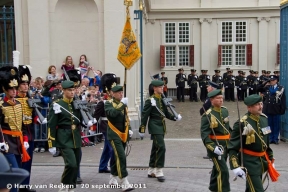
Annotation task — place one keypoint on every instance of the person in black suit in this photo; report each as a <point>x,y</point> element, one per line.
<point>203,83</point>
<point>193,84</point>
<point>180,84</point>
<point>224,77</point>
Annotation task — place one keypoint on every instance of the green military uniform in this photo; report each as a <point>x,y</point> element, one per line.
<point>64,132</point>
<point>118,133</point>
<point>156,127</point>
<point>219,122</point>
<point>255,165</point>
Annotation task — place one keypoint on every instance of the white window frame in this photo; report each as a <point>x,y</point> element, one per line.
<point>234,43</point>
<point>177,43</point>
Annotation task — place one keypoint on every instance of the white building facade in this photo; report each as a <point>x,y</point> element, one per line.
<point>199,34</point>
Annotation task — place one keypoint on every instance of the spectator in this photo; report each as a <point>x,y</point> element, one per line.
<point>52,73</point>
<point>68,65</point>
<point>40,130</point>
<point>97,78</point>
<point>83,64</point>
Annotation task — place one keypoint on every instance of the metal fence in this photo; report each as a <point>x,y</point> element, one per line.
<point>41,130</point>
<point>7,35</point>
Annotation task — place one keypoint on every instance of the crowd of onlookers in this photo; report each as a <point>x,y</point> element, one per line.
<point>49,89</point>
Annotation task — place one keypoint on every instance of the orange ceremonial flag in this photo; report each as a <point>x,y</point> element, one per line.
<point>128,51</point>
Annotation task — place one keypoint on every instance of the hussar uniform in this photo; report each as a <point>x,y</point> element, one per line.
<point>218,120</point>
<point>13,134</point>
<point>156,111</point>
<point>256,149</point>
<point>64,127</point>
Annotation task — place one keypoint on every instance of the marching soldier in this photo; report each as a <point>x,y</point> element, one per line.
<point>250,80</point>
<point>107,154</point>
<point>28,116</point>
<point>118,131</point>
<point>238,80</point>
<point>229,85</point>
<point>243,87</point>
<point>64,129</point>
<point>165,80</point>
<point>217,78</point>
<point>274,105</point>
<point>215,136</point>
<point>224,77</point>
<point>257,155</point>
<point>203,83</point>
<point>180,84</point>
<point>157,111</point>
<point>192,83</point>
<point>13,134</point>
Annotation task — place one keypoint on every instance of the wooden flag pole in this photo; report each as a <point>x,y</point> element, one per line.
<point>125,80</point>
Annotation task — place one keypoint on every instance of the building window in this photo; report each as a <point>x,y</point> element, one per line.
<point>177,41</point>
<point>233,43</point>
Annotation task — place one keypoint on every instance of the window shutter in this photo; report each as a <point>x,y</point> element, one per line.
<point>219,55</point>
<point>278,54</point>
<point>249,55</point>
<point>191,55</point>
<point>162,56</point>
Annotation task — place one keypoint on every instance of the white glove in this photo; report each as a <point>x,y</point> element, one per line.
<point>3,147</point>
<point>179,117</point>
<point>141,135</point>
<point>52,150</point>
<point>218,150</point>
<point>56,108</point>
<point>201,86</point>
<point>226,86</point>
<point>44,121</point>
<point>26,145</point>
<point>184,76</point>
<point>124,100</point>
<point>130,133</point>
<point>240,173</point>
<point>153,102</point>
<point>91,132</point>
<point>251,88</point>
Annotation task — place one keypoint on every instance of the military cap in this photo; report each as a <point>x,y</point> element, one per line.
<point>268,72</point>
<point>162,72</point>
<point>9,175</point>
<point>157,83</point>
<point>263,71</point>
<point>24,74</point>
<point>180,69</point>
<point>74,75</point>
<point>214,93</point>
<point>67,84</point>
<point>117,88</point>
<point>273,77</point>
<point>240,71</point>
<point>214,85</point>
<point>251,71</point>
<point>217,71</point>
<point>107,81</point>
<point>276,72</point>
<point>255,72</point>
<point>252,99</point>
<point>227,68</point>
<point>9,78</point>
<point>194,70</point>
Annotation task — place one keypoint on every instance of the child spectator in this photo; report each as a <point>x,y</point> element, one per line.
<point>83,64</point>
<point>68,65</point>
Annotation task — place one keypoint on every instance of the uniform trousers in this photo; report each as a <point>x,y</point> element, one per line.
<point>157,156</point>
<point>71,158</point>
<point>230,94</point>
<point>15,162</point>
<point>27,165</point>
<point>193,94</point>
<point>252,91</point>
<point>180,93</point>
<point>243,93</point>
<point>107,154</point>
<point>219,179</point>
<point>118,167</point>
<point>254,183</point>
<point>274,123</point>
<point>203,93</point>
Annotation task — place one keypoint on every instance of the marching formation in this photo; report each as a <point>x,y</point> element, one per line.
<point>246,145</point>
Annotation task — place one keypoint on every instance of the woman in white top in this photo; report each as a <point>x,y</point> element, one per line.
<point>52,73</point>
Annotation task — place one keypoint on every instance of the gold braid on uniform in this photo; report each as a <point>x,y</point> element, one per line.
<point>27,111</point>
<point>13,116</point>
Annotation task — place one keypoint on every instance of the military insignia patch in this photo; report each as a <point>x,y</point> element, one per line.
<point>13,72</point>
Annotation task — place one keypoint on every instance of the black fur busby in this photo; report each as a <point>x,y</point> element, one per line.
<point>8,78</point>
<point>75,76</point>
<point>107,80</point>
<point>24,74</point>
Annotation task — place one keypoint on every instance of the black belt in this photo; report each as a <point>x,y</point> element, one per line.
<point>156,117</point>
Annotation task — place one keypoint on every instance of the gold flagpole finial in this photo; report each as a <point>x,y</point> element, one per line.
<point>128,3</point>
